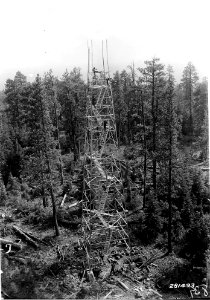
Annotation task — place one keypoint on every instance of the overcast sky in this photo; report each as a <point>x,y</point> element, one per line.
<point>37,35</point>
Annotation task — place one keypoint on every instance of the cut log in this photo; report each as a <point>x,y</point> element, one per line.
<point>5,295</point>
<point>151,260</point>
<point>19,259</point>
<point>64,198</point>
<point>7,242</point>
<point>74,204</point>
<point>107,295</point>
<point>25,237</point>
<point>130,277</point>
<point>122,284</point>
<point>155,292</point>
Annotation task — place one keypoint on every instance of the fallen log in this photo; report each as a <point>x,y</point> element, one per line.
<point>25,236</point>
<point>33,237</point>
<point>68,224</point>
<point>151,260</point>
<point>7,242</point>
<point>5,295</point>
<point>155,292</point>
<point>107,295</point>
<point>70,211</point>
<point>130,277</point>
<point>122,284</point>
<point>15,258</point>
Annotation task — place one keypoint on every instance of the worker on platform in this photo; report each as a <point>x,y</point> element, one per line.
<point>95,71</point>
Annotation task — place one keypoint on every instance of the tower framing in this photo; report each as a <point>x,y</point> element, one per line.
<point>104,223</point>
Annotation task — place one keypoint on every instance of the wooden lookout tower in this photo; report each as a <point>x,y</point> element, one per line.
<point>104,223</point>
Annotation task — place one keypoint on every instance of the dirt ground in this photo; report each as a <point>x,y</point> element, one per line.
<point>55,270</point>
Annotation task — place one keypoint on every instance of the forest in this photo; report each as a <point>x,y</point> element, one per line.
<point>162,130</point>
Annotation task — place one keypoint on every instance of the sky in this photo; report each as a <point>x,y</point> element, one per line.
<point>38,35</point>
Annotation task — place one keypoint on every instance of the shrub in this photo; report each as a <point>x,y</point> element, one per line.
<point>25,191</point>
<point>195,242</point>
<point>171,269</point>
<point>24,187</point>
<point>33,212</point>
<point>187,212</point>
<point>13,186</point>
<point>131,152</point>
<point>136,226</point>
<point>152,223</point>
<point>25,195</point>
<point>68,162</point>
<point>39,215</point>
<point>198,186</point>
<point>206,219</point>
<point>178,230</point>
<point>37,191</point>
<point>22,205</point>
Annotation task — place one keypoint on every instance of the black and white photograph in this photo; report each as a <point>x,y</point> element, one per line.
<point>104,149</point>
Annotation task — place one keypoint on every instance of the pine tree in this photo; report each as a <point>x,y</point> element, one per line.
<point>41,154</point>
<point>15,94</point>
<point>49,150</point>
<point>196,242</point>
<point>34,162</point>
<point>51,93</point>
<point>189,80</point>
<point>13,186</point>
<point>119,107</point>
<point>187,212</point>
<point>154,77</point>
<point>6,145</point>
<point>71,95</point>
<point>142,96</point>
<point>152,221</point>
<point>168,139</point>
<point>200,106</point>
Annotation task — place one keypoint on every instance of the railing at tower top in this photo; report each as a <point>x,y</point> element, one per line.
<point>98,79</point>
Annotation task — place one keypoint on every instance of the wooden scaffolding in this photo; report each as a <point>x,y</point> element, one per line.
<point>104,223</point>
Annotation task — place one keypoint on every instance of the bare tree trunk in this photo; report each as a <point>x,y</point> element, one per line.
<point>127,180</point>
<point>169,194</point>
<point>119,130</point>
<point>53,198</point>
<point>170,175</point>
<point>154,162</point>
<point>50,175</point>
<point>44,199</point>
<point>145,153</point>
<point>58,138</point>
<point>190,96</point>
<point>128,127</point>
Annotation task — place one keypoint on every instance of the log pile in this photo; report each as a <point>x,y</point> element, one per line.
<point>127,270</point>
